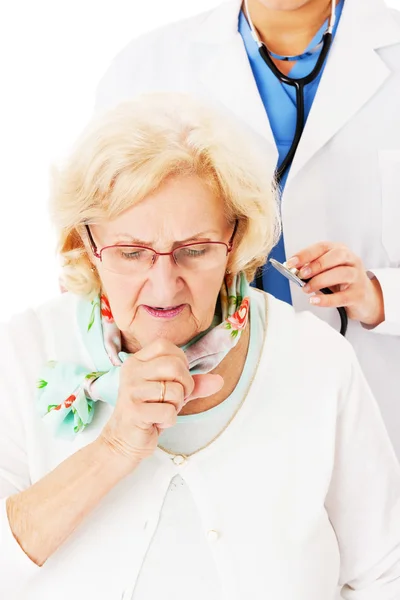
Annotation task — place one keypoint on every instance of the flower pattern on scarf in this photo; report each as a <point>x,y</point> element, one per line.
<point>82,389</point>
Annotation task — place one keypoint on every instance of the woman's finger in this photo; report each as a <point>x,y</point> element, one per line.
<point>168,368</point>
<point>152,391</point>
<point>308,255</point>
<point>331,278</point>
<point>205,385</point>
<point>162,415</point>
<point>158,348</point>
<point>338,256</point>
<point>336,300</point>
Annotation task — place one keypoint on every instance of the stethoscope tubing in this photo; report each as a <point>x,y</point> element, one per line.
<point>344,320</point>
<point>299,85</point>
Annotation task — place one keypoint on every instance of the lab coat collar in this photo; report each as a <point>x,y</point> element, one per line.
<point>365,27</point>
<point>372,19</point>
<point>219,25</point>
<point>353,74</point>
<point>226,72</point>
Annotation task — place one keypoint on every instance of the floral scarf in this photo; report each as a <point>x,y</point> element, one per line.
<point>67,393</point>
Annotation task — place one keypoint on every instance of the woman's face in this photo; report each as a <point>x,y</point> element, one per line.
<point>183,210</point>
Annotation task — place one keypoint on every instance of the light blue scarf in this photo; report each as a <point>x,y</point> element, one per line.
<point>67,393</point>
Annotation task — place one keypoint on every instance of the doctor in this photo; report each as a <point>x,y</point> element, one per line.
<point>338,159</point>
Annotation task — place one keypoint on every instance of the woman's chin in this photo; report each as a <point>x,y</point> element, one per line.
<point>146,329</point>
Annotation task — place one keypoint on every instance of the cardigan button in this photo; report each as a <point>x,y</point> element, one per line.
<point>179,460</point>
<point>212,535</point>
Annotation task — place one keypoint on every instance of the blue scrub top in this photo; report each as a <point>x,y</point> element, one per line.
<point>279,100</point>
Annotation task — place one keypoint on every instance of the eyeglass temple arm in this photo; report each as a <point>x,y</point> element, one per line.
<point>230,243</point>
<point>91,240</point>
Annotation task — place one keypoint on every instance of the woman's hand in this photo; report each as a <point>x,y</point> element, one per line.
<point>140,415</point>
<point>334,266</point>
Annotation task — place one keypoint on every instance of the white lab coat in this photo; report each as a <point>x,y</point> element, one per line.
<point>344,184</point>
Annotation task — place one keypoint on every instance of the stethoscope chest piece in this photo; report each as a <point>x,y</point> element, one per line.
<point>293,276</point>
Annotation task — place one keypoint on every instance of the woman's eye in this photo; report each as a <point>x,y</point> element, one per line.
<point>132,255</point>
<point>195,252</point>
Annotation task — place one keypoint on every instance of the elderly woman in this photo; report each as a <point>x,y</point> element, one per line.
<point>190,436</point>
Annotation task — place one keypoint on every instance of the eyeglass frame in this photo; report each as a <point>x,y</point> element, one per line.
<point>97,253</point>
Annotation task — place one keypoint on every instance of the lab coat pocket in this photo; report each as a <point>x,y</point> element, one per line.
<point>389,170</point>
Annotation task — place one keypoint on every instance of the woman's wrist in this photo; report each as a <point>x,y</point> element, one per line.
<point>114,458</point>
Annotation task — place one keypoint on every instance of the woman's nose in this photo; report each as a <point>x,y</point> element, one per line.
<point>165,275</point>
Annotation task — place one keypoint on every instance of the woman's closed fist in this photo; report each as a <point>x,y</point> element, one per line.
<point>155,383</point>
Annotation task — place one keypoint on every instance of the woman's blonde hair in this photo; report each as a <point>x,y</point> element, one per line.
<point>129,152</point>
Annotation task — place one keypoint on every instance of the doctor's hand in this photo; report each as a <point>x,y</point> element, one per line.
<point>332,265</point>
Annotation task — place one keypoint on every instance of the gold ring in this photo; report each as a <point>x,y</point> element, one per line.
<point>162,391</point>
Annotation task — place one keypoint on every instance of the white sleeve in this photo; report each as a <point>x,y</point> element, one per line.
<point>389,280</point>
<point>15,566</point>
<point>363,501</point>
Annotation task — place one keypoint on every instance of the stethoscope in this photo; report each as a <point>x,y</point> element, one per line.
<point>293,275</point>
<point>299,84</point>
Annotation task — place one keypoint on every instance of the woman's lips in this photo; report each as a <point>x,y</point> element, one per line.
<point>164,313</point>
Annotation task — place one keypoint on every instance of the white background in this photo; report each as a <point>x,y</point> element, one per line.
<point>52,54</point>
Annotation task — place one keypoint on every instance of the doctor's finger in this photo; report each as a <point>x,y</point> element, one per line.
<point>336,300</point>
<point>331,278</point>
<point>310,254</point>
<point>338,256</point>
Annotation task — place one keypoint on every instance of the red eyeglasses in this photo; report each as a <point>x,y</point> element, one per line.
<point>126,259</point>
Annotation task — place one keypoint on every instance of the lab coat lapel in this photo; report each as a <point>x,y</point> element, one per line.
<point>353,74</point>
<point>226,73</point>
